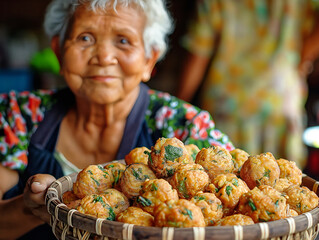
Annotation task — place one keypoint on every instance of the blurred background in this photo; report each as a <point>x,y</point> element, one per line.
<point>27,63</point>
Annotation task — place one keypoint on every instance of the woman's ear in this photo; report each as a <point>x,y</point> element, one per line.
<point>55,45</point>
<point>150,63</point>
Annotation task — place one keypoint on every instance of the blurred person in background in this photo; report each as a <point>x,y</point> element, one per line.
<point>248,60</point>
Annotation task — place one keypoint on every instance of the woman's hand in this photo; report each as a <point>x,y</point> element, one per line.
<point>34,195</point>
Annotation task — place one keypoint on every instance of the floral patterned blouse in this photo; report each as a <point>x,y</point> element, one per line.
<point>166,116</point>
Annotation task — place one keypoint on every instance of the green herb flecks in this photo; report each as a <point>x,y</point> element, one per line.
<point>266,173</point>
<point>172,153</point>
<point>173,224</point>
<point>96,181</point>
<point>229,190</point>
<point>198,198</point>
<point>277,203</point>
<point>144,201</point>
<point>170,172</point>
<point>136,174</point>
<point>235,182</point>
<point>188,213</point>
<point>252,205</point>
<point>154,187</point>
<point>97,198</point>
<point>182,188</point>
<point>90,172</point>
<point>149,156</point>
<point>111,216</point>
<point>101,168</point>
<point>116,178</point>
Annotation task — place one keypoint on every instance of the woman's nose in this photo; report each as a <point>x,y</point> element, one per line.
<point>104,55</point>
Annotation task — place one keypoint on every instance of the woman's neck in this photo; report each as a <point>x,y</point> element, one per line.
<point>104,115</point>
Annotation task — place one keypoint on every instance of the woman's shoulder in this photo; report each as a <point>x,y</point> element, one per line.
<point>169,116</point>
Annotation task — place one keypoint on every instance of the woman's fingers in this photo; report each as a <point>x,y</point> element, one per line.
<point>34,194</point>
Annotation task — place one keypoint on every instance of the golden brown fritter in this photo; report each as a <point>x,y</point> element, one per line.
<point>136,215</point>
<point>189,179</point>
<point>68,197</point>
<point>154,192</point>
<point>239,156</point>
<point>117,169</point>
<point>71,200</point>
<point>263,204</point>
<point>181,213</point>
<point>166,155</point>
<point>137,155</point>
<point>210,206</point>
<point>116,199</point>
<point>134,177</point>
<point>290,171</point>
<point>93,179</point>
<point>259,170</point>
<point>215,160</point>
<point>301,199</point>
<point>236,219</point>
<point>282,184</point>
<point>96,206</point>
<point>192,150</point>
<point>229,190</point>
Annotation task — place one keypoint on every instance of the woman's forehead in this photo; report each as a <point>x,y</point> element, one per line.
<point>131,14</point>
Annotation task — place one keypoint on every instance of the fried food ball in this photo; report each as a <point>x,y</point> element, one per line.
<point>154,192</point>
<point>136,215</point>
<point>192,150</point>
<point>263,204</point>
<point>211,188</point>
<point>301,199</point>
<point>235,219</point>
<point>181,213</point>
<point>292,213</point>
<point>290,171</point>
<point>259,170</point>
<point>116,199</point>
<point>189,179</point>
<point>210,206</point>
<point>137,155</point>
<point>239,156</point>
<point>70,200</point>
<point>215,160</point>
<point>117,169</point>
<point>229,190</point>
<point>96,206</point>
<point>166,155</point>
<point>93,179</point>
<point>133,178</point>
<point>282,184</point>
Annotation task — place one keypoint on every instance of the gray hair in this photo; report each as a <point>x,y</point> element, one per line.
<point>158,20</point>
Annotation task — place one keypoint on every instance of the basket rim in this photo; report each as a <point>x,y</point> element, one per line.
<point>114,229</point>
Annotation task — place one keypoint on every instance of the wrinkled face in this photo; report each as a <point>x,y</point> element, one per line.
<point>103,57</point>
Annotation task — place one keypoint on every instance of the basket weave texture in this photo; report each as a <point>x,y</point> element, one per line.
<point>70,224</point>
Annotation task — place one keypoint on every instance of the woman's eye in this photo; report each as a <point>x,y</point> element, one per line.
<point>123,41</point>
<point>86,39</point>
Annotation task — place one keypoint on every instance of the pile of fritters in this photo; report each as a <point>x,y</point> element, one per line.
<point>177,185</point>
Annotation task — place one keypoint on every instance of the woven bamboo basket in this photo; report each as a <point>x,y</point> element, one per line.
<point>70,224</point>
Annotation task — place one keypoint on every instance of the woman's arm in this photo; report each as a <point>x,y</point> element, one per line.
<point>191,77</point>
<point>21,214</point>
<point>16,219</point>
<point>8,179</point>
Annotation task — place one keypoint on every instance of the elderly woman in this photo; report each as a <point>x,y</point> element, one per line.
<point>106,49</point>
